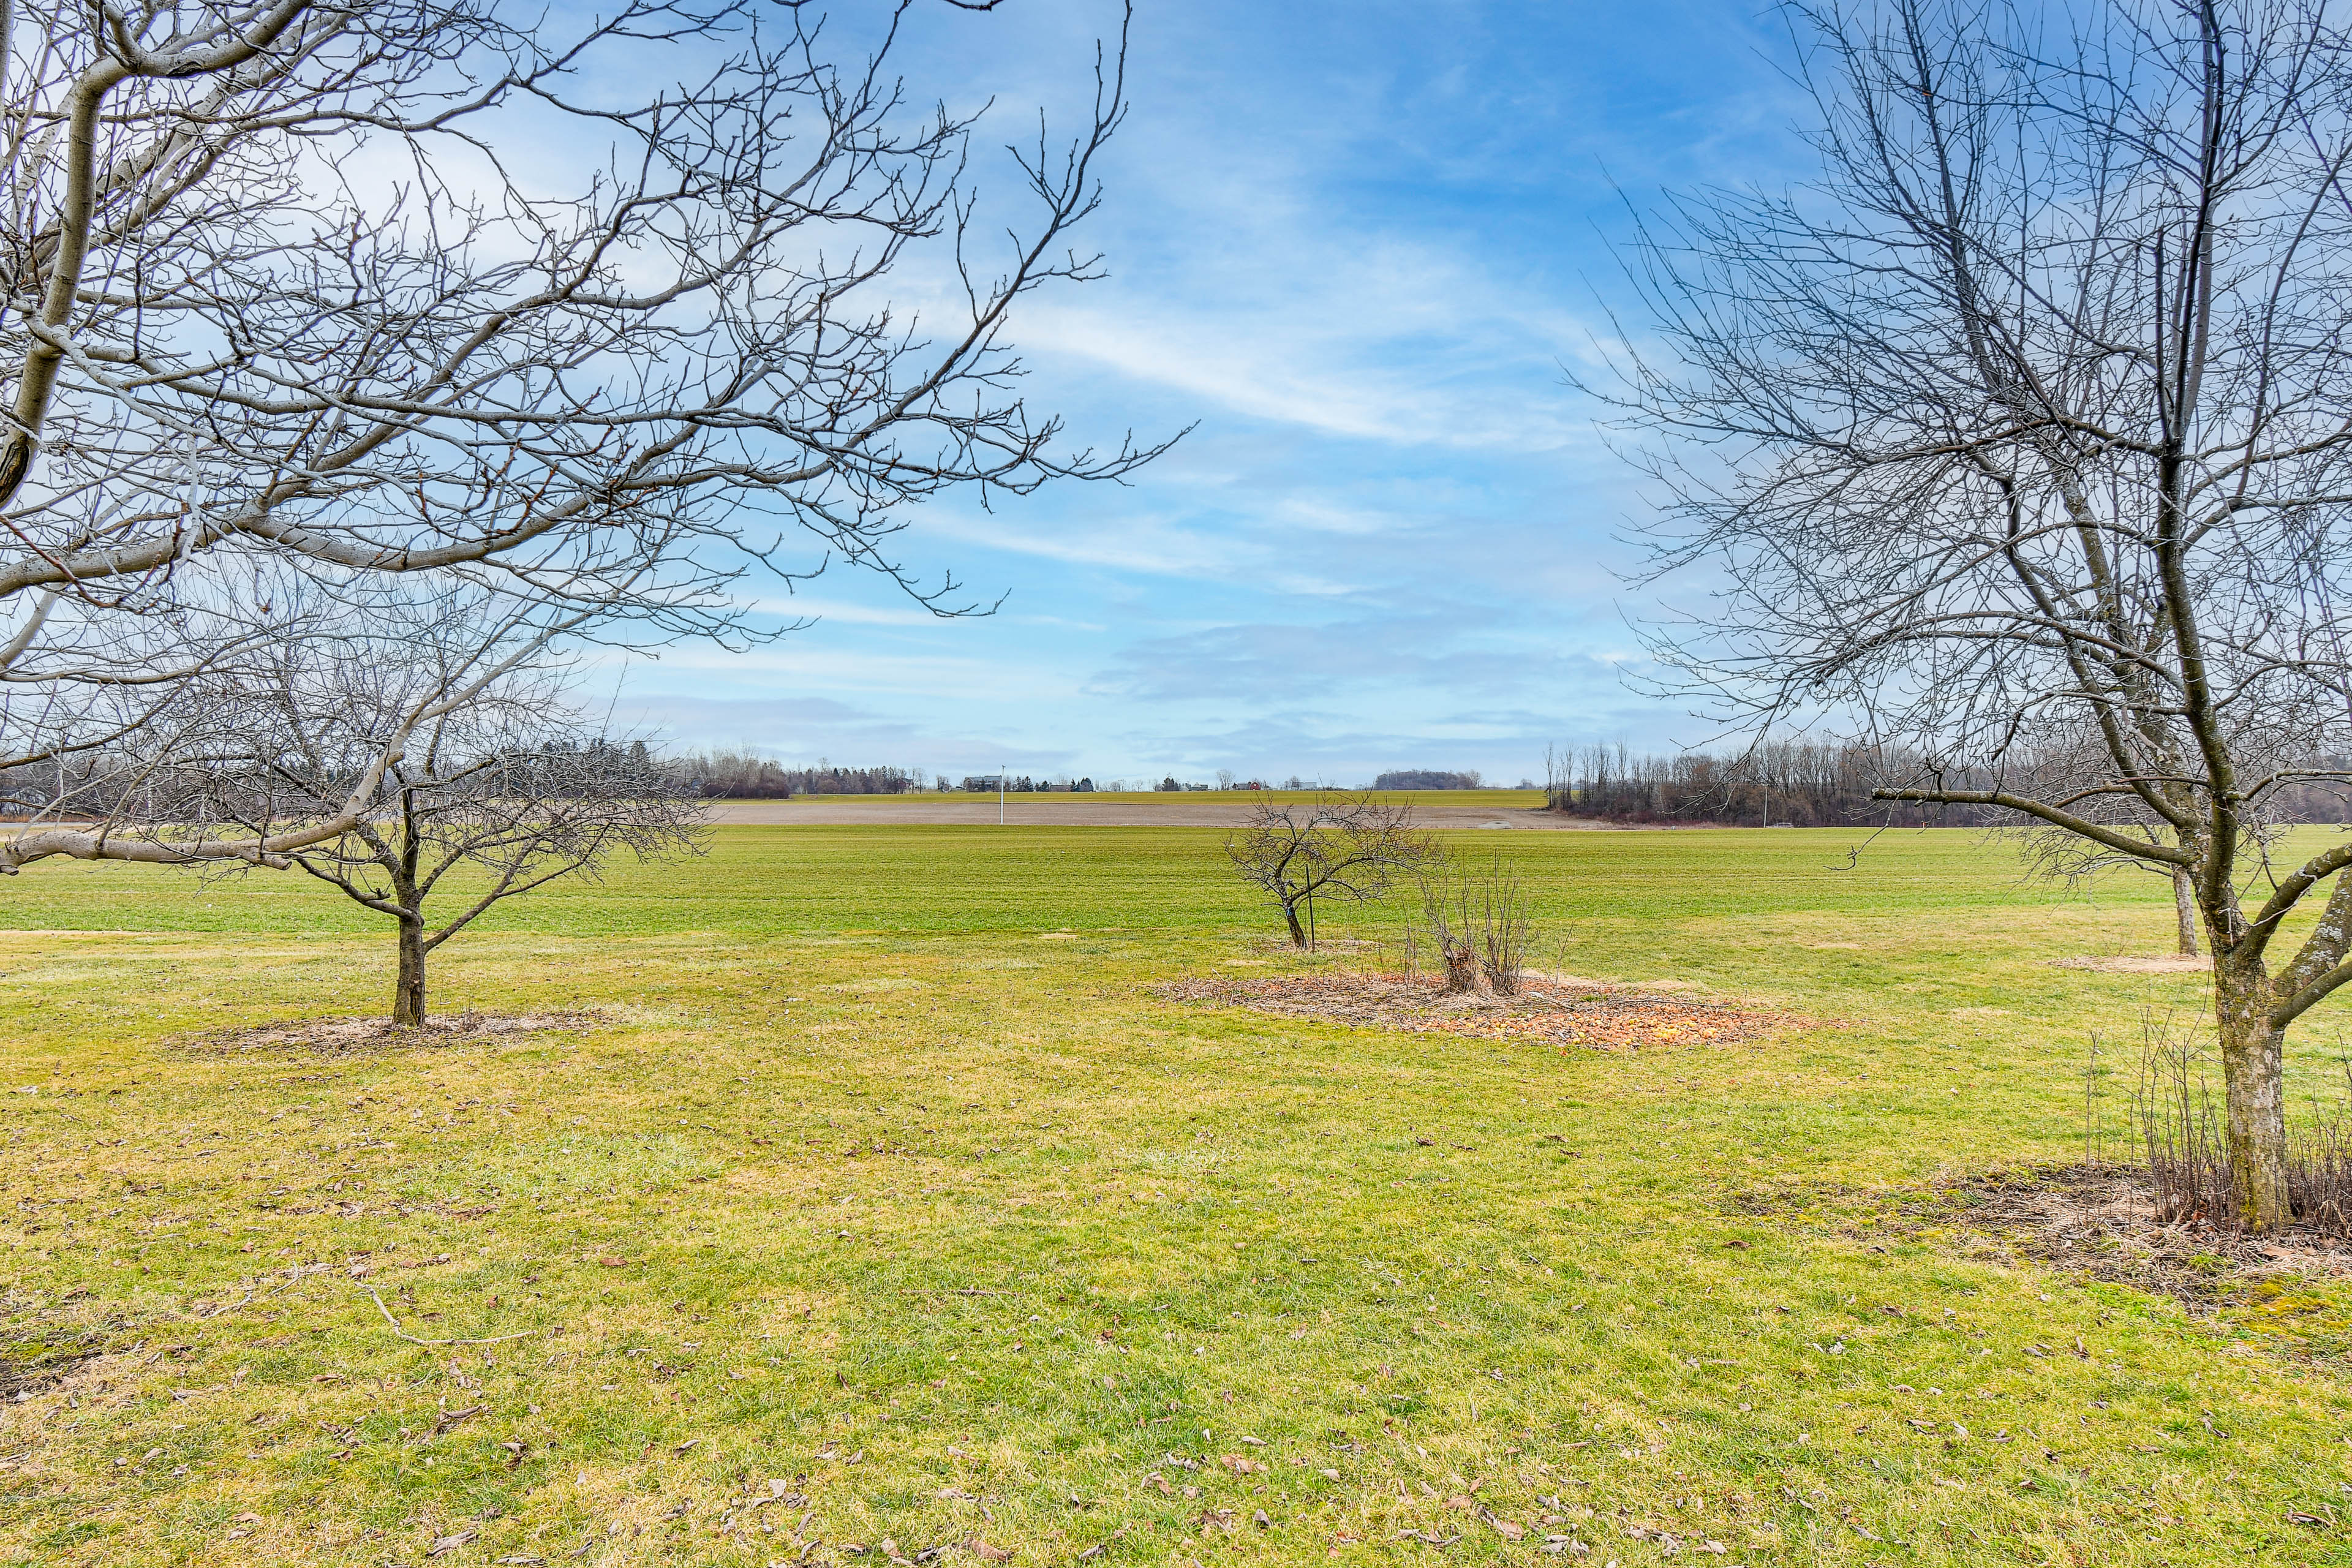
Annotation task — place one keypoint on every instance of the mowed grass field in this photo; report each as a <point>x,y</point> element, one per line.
<point>884,1213</point>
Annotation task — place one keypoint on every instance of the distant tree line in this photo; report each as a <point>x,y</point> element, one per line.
<point>986,783</point>
<point>740,775</point>
<point>1794,784</point>
<point>1428,778</point>
<point>1800,784</point>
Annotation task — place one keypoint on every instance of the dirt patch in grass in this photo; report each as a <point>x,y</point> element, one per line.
<point>1552,1011</point>
<point>29,1369</point>
<point>348,1036</point>
<point>2102,1220</point>
<point>2164,963</point>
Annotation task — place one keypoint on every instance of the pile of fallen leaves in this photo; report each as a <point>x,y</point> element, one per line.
<point>1561,1012</point>
<point>341,1037</point>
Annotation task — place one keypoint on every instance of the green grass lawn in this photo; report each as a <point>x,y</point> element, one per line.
<point>884,1210</point>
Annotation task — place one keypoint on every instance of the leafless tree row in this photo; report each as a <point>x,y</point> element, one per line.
<point>1806,785</point>
<point>1795,784</point>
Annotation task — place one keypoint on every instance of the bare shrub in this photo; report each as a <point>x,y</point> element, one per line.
<point>2177,1117</point>
<point>1478,924</point>
<point>1445,928</point>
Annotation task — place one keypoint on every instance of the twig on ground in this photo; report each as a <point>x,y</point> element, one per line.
<point>411,1339</point>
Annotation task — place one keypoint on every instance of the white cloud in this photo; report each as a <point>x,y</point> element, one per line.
<point>1137,541</point>
<point>1348,362</point>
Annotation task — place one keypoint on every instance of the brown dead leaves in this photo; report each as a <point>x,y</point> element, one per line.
<point>1593,1017</point>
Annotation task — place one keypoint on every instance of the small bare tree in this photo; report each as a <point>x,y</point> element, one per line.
<point>494,792</point>
<point>1350,847</point>
<point>484,817</point>
<point>2030,420</point>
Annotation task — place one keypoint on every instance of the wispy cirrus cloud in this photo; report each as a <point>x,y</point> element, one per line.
<point>1353,247</point>
<point>1345,363</point>
<point>1438,654</point>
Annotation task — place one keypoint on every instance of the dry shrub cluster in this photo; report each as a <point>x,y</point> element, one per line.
<point>1478,925</point>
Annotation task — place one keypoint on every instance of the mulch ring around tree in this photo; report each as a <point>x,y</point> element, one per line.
<point>2103,1220</point>
<point>1561,1012</point>
<point>348,1036</point>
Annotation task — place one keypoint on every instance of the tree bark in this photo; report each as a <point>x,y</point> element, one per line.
<point>1298,932</point>
<point>2184,908</point>
<point>408,991</point>
<point>2252,1068</point>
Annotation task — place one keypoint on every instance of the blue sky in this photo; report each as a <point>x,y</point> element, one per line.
<point>1354,244</point>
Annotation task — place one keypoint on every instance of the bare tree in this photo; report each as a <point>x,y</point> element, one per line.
<point>1350,847</point>
<point>2031,419</point>
<point>494,792</point>
<point>475,827</point>
<point>279,283</point>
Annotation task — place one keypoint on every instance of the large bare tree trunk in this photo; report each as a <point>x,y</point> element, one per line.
<point>1298,932</point>
<point>2184,909</point>
<point>2251,1071</point>
<point>408,991</point>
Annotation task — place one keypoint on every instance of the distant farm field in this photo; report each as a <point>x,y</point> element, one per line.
<point>880,1211</point>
